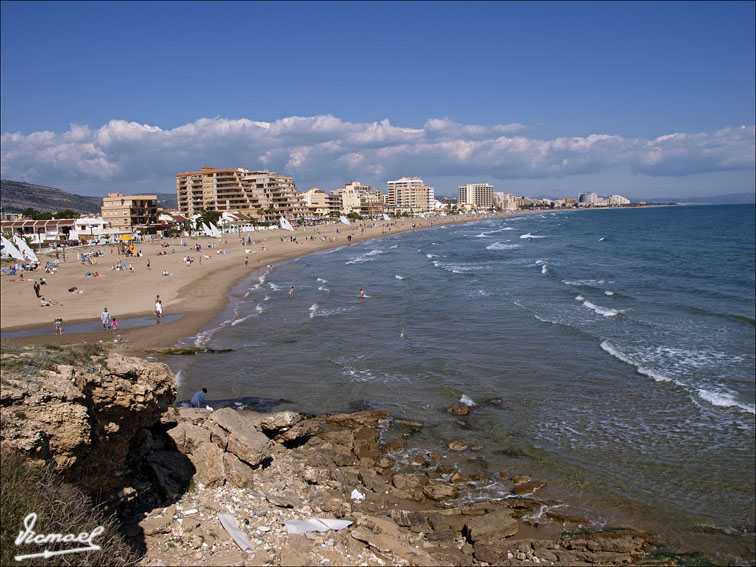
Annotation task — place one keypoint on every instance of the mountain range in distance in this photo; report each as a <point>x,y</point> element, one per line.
<point>16,196</point>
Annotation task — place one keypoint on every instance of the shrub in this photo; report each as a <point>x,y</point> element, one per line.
<point>61,508</point>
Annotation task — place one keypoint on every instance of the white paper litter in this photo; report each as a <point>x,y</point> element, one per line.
<point>229,524</point>
<point>357,495</point>
<point>315,525</point>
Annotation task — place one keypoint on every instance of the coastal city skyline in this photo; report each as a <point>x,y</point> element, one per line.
<point>541,99</point>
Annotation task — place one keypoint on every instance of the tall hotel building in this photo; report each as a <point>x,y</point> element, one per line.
<point>258,193</point>
<point>476,196</point>
<point>129,212</point>
<point>409,194</point>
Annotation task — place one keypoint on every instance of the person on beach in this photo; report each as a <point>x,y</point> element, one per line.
<point>362,293</point>
<point>148,263</point>
<point>198,399</point>
<point>105,318</point>
<point>291,293</point>
<point>58,326</point>
<point>246,262</point>
<point>114,325</point>
<point>159,311</point>
<point>37,288</point>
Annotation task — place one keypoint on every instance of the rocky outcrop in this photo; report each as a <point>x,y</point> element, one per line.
<point>267,469</point>
<point>83,417</point>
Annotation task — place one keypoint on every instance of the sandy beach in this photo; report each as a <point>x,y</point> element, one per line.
<point>196,291</point>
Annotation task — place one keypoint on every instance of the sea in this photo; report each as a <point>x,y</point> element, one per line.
<point>607,353</point>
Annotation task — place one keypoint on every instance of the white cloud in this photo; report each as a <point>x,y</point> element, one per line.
<point>326,151</point>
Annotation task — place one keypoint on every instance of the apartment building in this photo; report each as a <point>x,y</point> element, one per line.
<point>411,195</point>
<point>318,202</point>
<point>505,201</point>
<point>475,196</point>
<point>362,199</point>
<point>127,213</point>
<point>262,194</point>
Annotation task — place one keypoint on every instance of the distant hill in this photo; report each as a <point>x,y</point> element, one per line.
<point>16,196</point>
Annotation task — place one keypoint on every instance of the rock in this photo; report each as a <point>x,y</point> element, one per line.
<point>188,436</point>
<point>279,420</point>
<point>372,480</point>
<point>244,440</point>
<point>84,417</point>
<point>393,446</point>
<point>457,446</point>
<point>301,430</point>
<point>171,472</point>
<point>458,477</point>
<point>527,487</point>
<point>157,524</point>
<point>386,544</point>
<point>368,418</point>
<point>439,491</point>
<point>207,459</point>
<point>238,473</point>
<point>459,410</point>
<point>491,527</point>
<point>415,521</point>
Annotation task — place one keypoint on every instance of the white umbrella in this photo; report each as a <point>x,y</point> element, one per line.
<point>10,250</point>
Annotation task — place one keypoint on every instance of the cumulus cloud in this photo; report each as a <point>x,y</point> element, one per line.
<point>326,151</point>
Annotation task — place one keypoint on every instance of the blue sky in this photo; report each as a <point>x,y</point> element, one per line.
<point>649,99</point>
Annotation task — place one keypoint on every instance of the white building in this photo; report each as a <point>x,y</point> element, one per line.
<point>411,195</point>
<point>475,196</point>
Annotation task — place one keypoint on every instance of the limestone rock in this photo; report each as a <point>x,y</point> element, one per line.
<point>491,527</point>
<point>440,491</point>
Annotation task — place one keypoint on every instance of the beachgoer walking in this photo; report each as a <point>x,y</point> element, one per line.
<point>114,325</point>
<point>291,292</point>
<point>148,263</point>
<point>36,288</point>
<point>198,399</point>
<point>58,326</point>
<point>105,319</point>
<point>159,311</point>
<point>246,262</point>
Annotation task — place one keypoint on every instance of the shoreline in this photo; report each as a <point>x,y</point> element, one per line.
<point>197,297</point>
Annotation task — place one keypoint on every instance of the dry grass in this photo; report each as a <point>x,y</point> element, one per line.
<point>61,508</point>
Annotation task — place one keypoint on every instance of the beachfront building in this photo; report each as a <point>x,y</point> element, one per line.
<point>40,231</point>
<point>410,195</point>
<point>317,202</point>
<point>505,201</point>
<point>127,213</point>
<point>265,195</point>
<point>362,199</point>
<point>475,196</point>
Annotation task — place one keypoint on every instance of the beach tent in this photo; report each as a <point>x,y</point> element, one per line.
<point>343,219</point>
<point>24,248</point>
<point>285,224</point>
<point>10,250</point>
<point>126,237</point>
<point>215,231</point>
<point>386,217</point>
<point>206,230</point>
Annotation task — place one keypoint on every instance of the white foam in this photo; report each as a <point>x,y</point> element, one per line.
<point>273,286</point>
<point>367,257</point>
<point>429,256</point>
<point>323,288</point>
<point>178,378</point>
<point>502,246</point>
<point>579,298</point>
<point>397,276</point>
<point>609,293</point>
<point>313,310</point>
<point>610,348</point>
<point>321,280</point>
<point>725,400</point>
<point>544,269</point>
<point>601,310</point>
<point>394,246</point>
<point>590,283</point>
<point>602,238</point>
<point>528,235</point>
<point>237,321</point>
<point>465,399</point>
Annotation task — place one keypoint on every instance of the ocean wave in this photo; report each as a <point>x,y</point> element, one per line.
<point>429,256</point>
<point>321,280</point>
<point>606,312</point>
<point>528,235</point>
<point>502,246</point>
<point>544,269</point>
<point>738,318</point>
<point>273,286</point>
<point>178,377</point>
<point>610,348</point>
<point>313,310</point>
<point>584,283</point>
<point>323,288</point>
<point>397,276</point>
<point>725,400</point>
<point>366,257</point>
<point>609,293</point>
<point>235,322</point>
